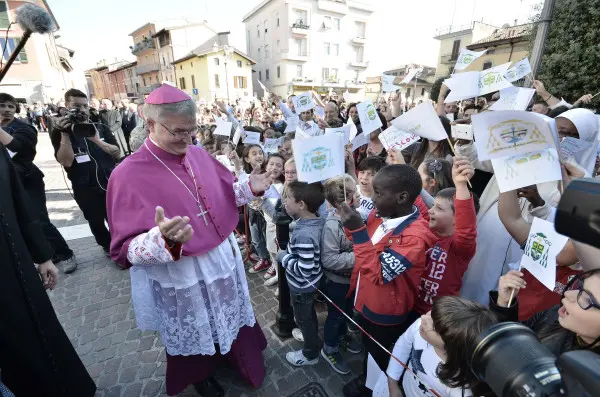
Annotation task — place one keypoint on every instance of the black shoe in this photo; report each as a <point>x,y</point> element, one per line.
<point>356,388</point>
<point>209,388</point>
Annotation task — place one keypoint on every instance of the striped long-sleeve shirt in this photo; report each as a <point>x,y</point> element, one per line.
<point>302,259</point>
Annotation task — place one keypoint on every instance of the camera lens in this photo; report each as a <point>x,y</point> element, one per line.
<point>511,360</point>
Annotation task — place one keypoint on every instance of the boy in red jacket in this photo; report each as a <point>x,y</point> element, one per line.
<point>390,260</point>
<point>453,219</point>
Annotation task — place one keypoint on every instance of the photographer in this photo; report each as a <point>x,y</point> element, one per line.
<point>20,139</point>
<point>573,325</point>
<point>88,161</point>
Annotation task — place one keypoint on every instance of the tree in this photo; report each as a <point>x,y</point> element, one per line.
<point>570,64</point>
<point>435,88</point>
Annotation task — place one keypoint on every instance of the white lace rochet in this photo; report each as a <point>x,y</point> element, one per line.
<point>195,302</point>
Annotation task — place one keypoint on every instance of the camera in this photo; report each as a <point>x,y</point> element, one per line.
<point>509,356</point>
<point>80,126</point>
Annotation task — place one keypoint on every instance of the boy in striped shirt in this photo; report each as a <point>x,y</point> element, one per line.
<point>302,263</point>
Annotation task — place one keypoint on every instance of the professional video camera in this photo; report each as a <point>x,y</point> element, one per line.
<point>80,125</point>
<point>509,357</point>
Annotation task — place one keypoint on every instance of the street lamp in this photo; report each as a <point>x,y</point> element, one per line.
<point>419,71</point>
<point>227,52</point>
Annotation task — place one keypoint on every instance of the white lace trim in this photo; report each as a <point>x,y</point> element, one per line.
<point>243,193</point>
<point>194,303</point>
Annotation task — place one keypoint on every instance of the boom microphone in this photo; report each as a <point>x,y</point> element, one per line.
<point>32,19</point>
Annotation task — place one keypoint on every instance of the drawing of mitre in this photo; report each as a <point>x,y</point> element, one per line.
<point>511,134</point>
<point>317,159</point>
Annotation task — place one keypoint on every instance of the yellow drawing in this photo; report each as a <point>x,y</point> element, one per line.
<point>510,134</point>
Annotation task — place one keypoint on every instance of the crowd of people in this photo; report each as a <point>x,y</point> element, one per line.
<point>417,247</point>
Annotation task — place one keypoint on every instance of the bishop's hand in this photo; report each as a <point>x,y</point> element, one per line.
<point>174,230</point>
<point>259,183</point>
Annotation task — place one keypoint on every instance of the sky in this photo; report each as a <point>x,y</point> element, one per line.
<point>400,32</point>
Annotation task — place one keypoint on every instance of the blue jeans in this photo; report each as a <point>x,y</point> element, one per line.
<point>306,318</point>
<point>258,241</point>
<point>335,325</point>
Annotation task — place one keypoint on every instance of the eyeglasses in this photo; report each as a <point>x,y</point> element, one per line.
<point>180,134</point>
<point>290,173</point>
<point>585,299</point>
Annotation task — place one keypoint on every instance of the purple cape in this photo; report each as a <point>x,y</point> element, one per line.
<point>141,183</point>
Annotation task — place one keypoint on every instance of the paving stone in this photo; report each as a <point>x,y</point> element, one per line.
<point>112,365</point>
<point>102,343</point>
<point>128,375</point>
<point>134,334</point>
<point>150,356</point>
<point>106,354</point>
<point>89,337</point>
<point>118,337</point>
<point>92,308</point>
<point>131,359</point>
<point>106,331</point>
<point>103,322</point>
<point>108,380</point>
<point>152,388</point>
<point>147,370</point>
<point>146,343</point>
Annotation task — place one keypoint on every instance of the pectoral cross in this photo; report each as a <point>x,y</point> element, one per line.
<point>202,214</point>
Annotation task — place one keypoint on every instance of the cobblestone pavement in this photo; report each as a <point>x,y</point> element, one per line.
<point>94,306</point>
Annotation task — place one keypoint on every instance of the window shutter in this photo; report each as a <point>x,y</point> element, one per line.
<point>23,54</point>
<point>235,82</point>
<point>4,22</point>
<point>244,82</point>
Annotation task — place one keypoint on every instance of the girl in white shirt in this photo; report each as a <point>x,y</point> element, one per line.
<point>438,347</point>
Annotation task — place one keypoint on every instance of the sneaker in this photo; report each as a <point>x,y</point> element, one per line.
<point>320,298</point>
<point>297,334</point>
<point>352,328</point>
<point>350,344</point>
<point>271,281</point>
<point>336,361</point>
<point>68,265</point>
<point>276,292</point>
<point>356,388</point>
<point>297,359</point>
<point>271,272</point>
<point>260,266</point>
<point>253,257</point>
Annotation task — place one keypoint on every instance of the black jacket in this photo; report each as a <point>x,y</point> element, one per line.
<point>545,324</point>
<point>23,146</point>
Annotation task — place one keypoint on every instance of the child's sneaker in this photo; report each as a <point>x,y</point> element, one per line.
<point>276,292</point>
<point>271,281</point>
<point>260,266</point>
<point>336,361</point>
<point>271,272</point>
<point>297,359</point>
<point>297,334</point>
<point>350,344</point>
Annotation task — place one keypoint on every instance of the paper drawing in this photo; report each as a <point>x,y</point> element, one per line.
<point>320,157</point>
<point>526,169</point>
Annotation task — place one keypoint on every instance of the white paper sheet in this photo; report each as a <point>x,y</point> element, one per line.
<point>514,98</point>
<point>423,121</point>
<point>319,158</point>
<point>526,169</point>
<point>360,140</point>
<point>252,138</point>
<point>395,139</point>
<point>291,123</point>
<point>369,119</point>
<point>343,131</point>
<point>304,102</point>
<point>462,131</point>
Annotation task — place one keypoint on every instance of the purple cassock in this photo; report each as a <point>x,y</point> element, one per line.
<point>199,289</point>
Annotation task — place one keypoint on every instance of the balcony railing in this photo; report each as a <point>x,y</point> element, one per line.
<point>147,68</point>
<point>147,90</point>
<point>337,6</point>
<point>142,45</point>
<point>359,40</point>
<point>359,64</point>
<point>300,25</point>
<point>448,59</point>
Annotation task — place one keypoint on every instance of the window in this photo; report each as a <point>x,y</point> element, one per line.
<point>356,76</point>
<point>487,65</point>
<point>265,26</point>
<point>4,18</point>
<point>12,44</point>
<point>423,91</point>
<point>325,73</point>
<point>258,54</point>
<point>301,16</point>
<point>335,50</point>
<point>238,63</point>
<point>260,75</point>
<point>278,72</point>
<point>299,71</point>
<point>217,61</point>
<point>267,74</point>
<point>407,92</point>
<point>361,28</point>
<point>240,82</point>
<point>278,45</point>
<point>327,48</point>
<point>267,51</point>
<point>257,30</point>
<point>337,23</point>
<point>217,83</point>
<point>277,16</point>
<point>300,47</point>
<point>193,82</point>
<point>180,67</point>
<point>333,73</point>
<point>455,50</point>
<point>327,23</point>
<point>181,83</point>
<point>191,64</point>
<point>358,53</point>
<point>144,81</point>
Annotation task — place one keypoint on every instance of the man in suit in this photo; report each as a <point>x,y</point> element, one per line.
<point>129,121</point>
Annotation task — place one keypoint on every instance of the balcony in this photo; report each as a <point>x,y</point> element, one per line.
<point>147,90</point>
<point>147,68</point>
<point>363,5</point>
<point>142,45</point>
<point>447,59</point>
<point>337,6</point>
<point>354,84</point>
<point>300,57</point>
<point>359,40</point>
<point>330,81</point>
<point>300,28</point>
<point>359,64</point>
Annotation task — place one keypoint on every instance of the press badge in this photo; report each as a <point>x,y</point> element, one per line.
<point>82,158</point>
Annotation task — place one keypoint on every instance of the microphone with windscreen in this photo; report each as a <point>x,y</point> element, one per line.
<point>32,19</point>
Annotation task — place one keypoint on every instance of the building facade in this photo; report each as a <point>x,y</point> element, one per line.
<point>305,45</point>
<point>215,71</point>
<point>124,84</point>
<point>419,88</point>
<point>157,44</point>
<point>453,39</point>
<point>44,70</point>
<point>507,44</point>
